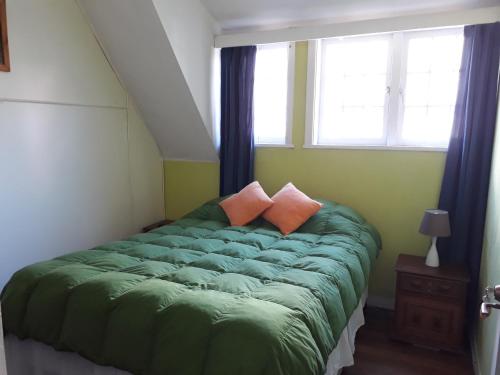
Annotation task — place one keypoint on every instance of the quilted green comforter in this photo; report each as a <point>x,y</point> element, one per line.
<point>201,297</point>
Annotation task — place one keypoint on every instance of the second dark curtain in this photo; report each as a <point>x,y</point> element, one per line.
<point>464,191</point>
<point>237,144</point>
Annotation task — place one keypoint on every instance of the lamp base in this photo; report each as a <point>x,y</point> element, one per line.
<point>432,259</point>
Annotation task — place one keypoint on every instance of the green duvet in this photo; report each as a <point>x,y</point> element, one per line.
<point>201,297</point>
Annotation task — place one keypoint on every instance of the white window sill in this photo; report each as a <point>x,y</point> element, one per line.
<point>272,145</point>
<point>378,148</point>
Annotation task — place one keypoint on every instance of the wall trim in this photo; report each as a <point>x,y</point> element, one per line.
<point>380,302</point>
<point>381,25</point>
<point>70,104</point>
<point>191,160</point>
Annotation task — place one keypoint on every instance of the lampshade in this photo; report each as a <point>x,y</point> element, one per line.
<point>435,223</point>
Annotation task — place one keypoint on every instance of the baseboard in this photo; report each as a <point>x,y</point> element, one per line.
<point>192,160</point>
<point>380,302</point>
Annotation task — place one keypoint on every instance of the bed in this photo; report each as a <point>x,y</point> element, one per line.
<point>201,297</point>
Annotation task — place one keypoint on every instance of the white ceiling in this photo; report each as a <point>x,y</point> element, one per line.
<point>269,14</point>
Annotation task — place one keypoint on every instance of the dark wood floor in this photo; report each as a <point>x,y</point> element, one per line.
<point>377,354</point>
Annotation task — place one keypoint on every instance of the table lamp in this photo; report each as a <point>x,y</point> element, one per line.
<point>435,223</point>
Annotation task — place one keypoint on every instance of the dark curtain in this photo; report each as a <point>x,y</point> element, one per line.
<point>464,191</point>
<point>237,145</point>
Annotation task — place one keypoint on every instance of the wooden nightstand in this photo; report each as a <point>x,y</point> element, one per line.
<point>160,223</point>
<point>430,304</point>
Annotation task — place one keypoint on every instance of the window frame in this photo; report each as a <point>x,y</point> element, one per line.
<point>288,142</point>
<point>394,105</point>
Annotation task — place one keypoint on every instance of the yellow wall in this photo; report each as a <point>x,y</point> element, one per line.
<point>390,188</point>
<point>188,185</point>
<point>490,263</point>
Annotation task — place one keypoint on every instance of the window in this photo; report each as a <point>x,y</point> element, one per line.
<point>273,94</point>
<point>353,91</point>
<point>389,90</point>
<point>430,86</point>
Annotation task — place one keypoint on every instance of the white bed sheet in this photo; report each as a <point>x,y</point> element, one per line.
<point>29,357</point>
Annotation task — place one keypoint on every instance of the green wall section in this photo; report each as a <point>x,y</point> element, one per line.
<point>490,264</point>
<point>188,185</point>
<point>390,188</point>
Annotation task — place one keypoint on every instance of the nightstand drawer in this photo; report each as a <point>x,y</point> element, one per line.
<point>437,323</point>
<point>428,286</point>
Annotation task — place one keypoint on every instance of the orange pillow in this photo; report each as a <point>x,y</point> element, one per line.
<point>247,205</point>
<point>291,209</point>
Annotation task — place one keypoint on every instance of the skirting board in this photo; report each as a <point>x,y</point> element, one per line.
<point>380,302</point>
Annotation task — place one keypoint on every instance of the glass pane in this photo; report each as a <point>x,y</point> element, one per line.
<point>419,58</point>
<point>372,90</point>
<point>431,87</point>
<point>443,88</point>
<point>446,53</point>
<point>271,94</point>
<point>352,121</point>
<point>415,123</point>
<point>417,89</point>
<point>440,121</point>
<point>428,125</point>
<point>352,91</point>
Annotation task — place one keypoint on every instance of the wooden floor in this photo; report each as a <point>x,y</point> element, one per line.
<point>377,354</point>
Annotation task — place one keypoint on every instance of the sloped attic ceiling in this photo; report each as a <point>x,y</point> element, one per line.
<point>164,68</point>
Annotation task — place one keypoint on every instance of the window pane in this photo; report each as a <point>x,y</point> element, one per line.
<point>417,89</point>
<point>431,87</point>
<point>352,91</point>
<point>352,121</point>
<point>271,94</point>
<point>423,121</point>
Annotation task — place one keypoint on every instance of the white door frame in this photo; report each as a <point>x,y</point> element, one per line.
<point>495,361</point>
<point>3,365</point>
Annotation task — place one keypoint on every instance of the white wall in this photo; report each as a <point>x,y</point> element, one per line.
<point>55,57</point>
<point>190,30</point>
<point>77,165</point>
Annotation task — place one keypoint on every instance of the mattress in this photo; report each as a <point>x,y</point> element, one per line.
<point>199,296</point>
